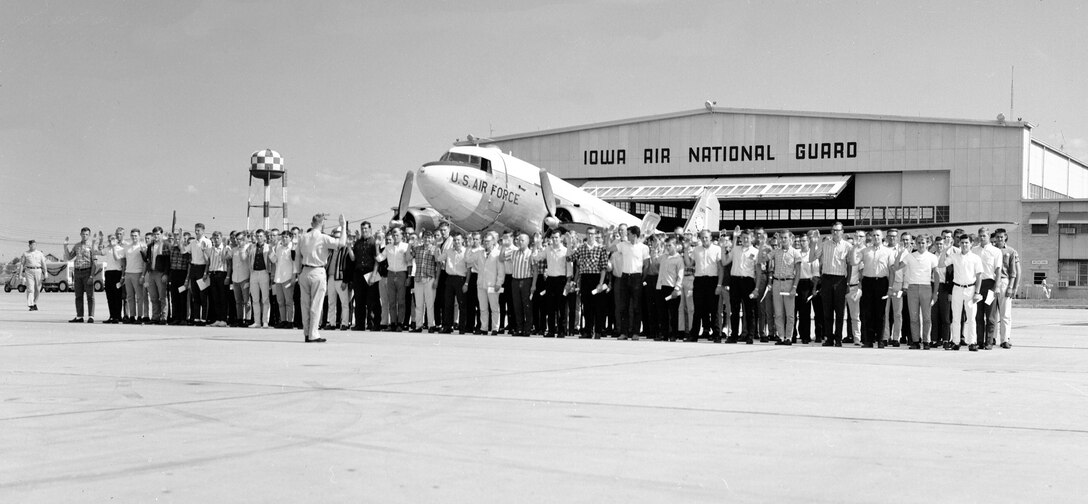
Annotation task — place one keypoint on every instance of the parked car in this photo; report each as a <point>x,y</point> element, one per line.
<point>58,276</point>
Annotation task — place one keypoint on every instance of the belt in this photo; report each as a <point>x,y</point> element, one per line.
<point>964,286</point>
<point>832,275</point>
<point>308,266</point>
<point>852,285</point>
<point>32,267</point>
<point>777,278</point>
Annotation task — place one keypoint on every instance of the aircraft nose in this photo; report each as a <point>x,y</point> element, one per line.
<point>449,189</point>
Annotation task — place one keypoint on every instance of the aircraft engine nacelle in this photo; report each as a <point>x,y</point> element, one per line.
<point>422,219</point>
<point>575,218</point>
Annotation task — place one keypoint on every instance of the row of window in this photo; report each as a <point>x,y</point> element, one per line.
<point>726,190</point>
<point>1074,273</point>
<point>864,216</point>
<point>1065,229</point>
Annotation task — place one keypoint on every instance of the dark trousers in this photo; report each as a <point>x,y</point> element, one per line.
<point>765,307</point>
<point>984,322</point>
<point>872,308</point>
<point>198,297</point>
<point>179,301</point>
<point>592,304</point>
<point>628,293</point>
<point>520,289</point>
<point>114,295</point>
<point>805,288</point>
<point>740,288</point>
<point>440,290</point>
<point>706,302</point>
<point>506,305</point>
<point>220,297</point>
<point>668,313</point>
<point>651,316</point>
<point>360,287</point>
<point>454,292</point>
<point>83,282</point>
<point>540,305</point>
<point>942,314</point>
<point>472,302</point>
<point>833,296</point>
<point>555,306</point>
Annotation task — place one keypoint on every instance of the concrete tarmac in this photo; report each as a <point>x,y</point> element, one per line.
<point>97,413</point>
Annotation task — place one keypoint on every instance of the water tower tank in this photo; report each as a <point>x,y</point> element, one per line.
<point>266,165</point>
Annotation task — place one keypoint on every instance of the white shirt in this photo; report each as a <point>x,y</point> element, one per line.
<point>744,261</point>
<point>920,267</point>
<point>285,266</point>
<point>239,260</point>
<point>556,260</point>
<point>134,257</point>
<point>991,260</point>
<point>707,260</point>
<point>965,267</point>
<point>397,255</point>
<point>809,269</point>
<point>196,250</point>
<point>114,256</point>
<point>632,257</point>
<point>489,269</point>
<point>875,262</point>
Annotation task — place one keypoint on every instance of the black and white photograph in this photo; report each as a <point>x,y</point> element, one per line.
<point>579,251</point>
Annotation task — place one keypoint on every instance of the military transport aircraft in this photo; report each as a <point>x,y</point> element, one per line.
<point>482,188</point>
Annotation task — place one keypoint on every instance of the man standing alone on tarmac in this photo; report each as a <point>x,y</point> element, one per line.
<point>33,265</point>
<point>313,247</point>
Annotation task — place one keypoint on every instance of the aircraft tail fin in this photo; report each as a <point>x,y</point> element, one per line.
<point>706,214</point>
<point>649,223</point>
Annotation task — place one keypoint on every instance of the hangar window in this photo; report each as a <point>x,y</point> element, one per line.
<point>878,215</point>
<point>666,211</point>
<point>1038,277</point>
<point>942,214</point>
<point>1075,273</point>
<point>824,187</point>
<point>675,190</point>
<point>685,213</point>
<point>927,215</point>
<point>643,208</point>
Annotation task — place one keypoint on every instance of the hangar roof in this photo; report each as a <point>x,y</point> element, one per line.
<point>746,111</point>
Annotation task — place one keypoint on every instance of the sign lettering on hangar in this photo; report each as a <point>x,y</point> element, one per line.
<point>724,153</point>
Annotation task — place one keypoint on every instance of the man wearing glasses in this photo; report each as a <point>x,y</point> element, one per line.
<point>834,267</point>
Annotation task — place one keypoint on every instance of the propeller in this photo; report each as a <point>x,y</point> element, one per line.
<point>549,199</point>
<point>405,194</point>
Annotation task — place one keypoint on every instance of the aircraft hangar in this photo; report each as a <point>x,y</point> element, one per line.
<point>774,168</point>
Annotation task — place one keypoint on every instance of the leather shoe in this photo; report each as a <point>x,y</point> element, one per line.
<point>77,320</point>
<point>315,340</point>
<point>972,347</point>
<point>828,343</point>
<point>1006,345</point>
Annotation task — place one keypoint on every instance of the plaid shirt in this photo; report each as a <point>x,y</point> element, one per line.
<point>426,266</point>
<point>179,260</point>
<point>589,260</point>
<point>81,256</point>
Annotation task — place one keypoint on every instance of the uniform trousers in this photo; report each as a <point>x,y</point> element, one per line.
<point>84,285</point>
<point>984,318</point>
<point>872,308</point>
<point>833,297</point>
<point>1003,310</point>
<point>156,290</point>
<point>785,309</point>
<point>339,290</point>
<point>962,303</point>
<point>489,308</point>
<point>454,292</point>
<point>424,298</point>
<point>33,285</point>
<point>740,291</point>
<point>312,283</point>
<point>115,298</point>
<point>919,299</point>
<point>241,300</point>
<point>137,295</point>
<point>520,291</point>
<point>592,314</point>
<point>179,300</point>
<point>628,289</point>
<point>706,301</point>
<point>259,296</point>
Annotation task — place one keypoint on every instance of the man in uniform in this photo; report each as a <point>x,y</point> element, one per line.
<point>33,271</point>
<point>313,248</point>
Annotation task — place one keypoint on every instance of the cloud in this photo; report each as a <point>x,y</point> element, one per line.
<point>191,189</point>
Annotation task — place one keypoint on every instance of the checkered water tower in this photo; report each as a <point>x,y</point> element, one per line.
<point>267,166</point>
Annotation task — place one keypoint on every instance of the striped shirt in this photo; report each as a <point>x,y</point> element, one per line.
<point>589,259</point>
<point>218,258</point>
<point>521,264</point>
<point>833,256</point>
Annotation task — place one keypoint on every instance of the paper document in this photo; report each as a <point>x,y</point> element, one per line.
<point>373,277</point>
<point>183,288</point>
<point>989,297</point>
<point>202,283</point>
<point>787,294</point>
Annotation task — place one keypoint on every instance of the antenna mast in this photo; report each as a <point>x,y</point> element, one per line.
<point>1012,92</point>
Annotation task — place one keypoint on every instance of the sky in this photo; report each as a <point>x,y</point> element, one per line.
<point>117,113</point>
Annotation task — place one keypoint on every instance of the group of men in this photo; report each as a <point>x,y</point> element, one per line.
<point>883,288</point>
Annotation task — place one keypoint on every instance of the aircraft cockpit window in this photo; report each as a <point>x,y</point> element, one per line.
<point>464,159</point>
